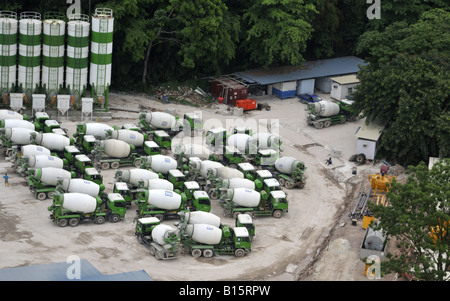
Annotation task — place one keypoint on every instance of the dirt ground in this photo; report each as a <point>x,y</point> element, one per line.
<point>314,241</point>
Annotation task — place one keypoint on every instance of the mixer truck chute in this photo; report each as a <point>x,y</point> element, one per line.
<point>162,240</point>
<point>71,208</point>
<point>206,240</point>
<point>325,113</point>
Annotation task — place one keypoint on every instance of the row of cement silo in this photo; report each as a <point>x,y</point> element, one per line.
<point>35,52</point>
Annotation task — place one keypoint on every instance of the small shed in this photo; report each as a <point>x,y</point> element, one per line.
<point>367,140</point>
<point>342,86</point>
<point>228,88</point>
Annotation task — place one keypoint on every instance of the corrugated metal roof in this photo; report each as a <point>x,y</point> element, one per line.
<point>346,79</point>
<point>309,70</point>
<point>59,272</point>
<point>369,132</point>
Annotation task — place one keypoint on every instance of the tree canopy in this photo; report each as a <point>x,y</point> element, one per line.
<point>418,218</point>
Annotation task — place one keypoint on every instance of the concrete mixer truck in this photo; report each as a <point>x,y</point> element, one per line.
<point>71,208</point>
<point>206,240</point>
<point>290,172</point>
<point>10,137</point>
<point>134,138</point>
<point>160,203</point>
<point>162,240</point>
<point>230,183</point>
<point>54,142</point>
<point>196,199</point>
<point>160,164</point>
<point>325,113</point>
<point>96,129</point>
<point>149,122</point>
<point>243,200</point>
<point>42,183</point>
<point>82,186</point>
<point>113,153</point>
<point>30,163</point>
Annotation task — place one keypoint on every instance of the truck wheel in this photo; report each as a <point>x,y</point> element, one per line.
<point>360,158</point>
<point>41,196</point>
<point>289,185</point>
<point>51,194</point>
<point>319,125</point>
<point>105,165</point>
<point>115,218</point>
<point>63,222</point>
<point>73,222</point>
<point>282,182</point>
<point>208,253</point>
<point>235,214</point>
<point>239,253</point>
<point>138,163</point>
<point>327,123</point>
<point>277,214</point>
<point>196,253</point>
<point>99,220</point>
<point>214,195</point>
<point>115,165</point>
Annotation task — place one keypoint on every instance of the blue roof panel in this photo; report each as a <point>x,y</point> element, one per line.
<point>309,70</point>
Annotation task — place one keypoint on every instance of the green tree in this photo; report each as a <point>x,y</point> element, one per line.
<point>418,210</point>
<point>406,87</point>
<point>277,31</point>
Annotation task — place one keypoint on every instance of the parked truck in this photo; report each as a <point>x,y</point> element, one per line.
<point>52,141</point>
<point>290,172</point>
<point>17,123</point>
<point>8,114</point>
<point>192,124</point>
<point>162,240</point>
<point>38,161</point>
<point>206,240</point>
<point>96,129</point>
<point>134,138</point>
<point>243,200</point>
<point>325,113</point>
<point>82,186</point>
<point>149,122</point>
<point>160,203</point>
<point>42,183</point>
<point>71,208</point>
<point>230,183</point>
<point>160,164</point>
<point>10,137</point>
<point>113,153</point>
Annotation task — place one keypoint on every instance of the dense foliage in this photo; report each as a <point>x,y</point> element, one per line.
<point>418,220</point>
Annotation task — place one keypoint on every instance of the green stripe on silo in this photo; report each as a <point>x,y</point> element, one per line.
<point>8,60</point>
<point>102,37</point>
<point>101,59</point>
<point>53,40</point>
<point>77,41</point>
<point>33,61</point>
<point>30,40</point>
<point>8,39</point>
<point>52,61</point>
<point>77,63</point>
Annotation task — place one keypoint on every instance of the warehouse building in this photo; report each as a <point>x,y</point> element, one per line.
<point>343,86</point>
<point>289,81</point>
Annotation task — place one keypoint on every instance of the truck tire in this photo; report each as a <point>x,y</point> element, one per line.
<point>318,125</point>
<point>105,165</point>
<point>277,213</point>
<point>73,222</point>
<point>63,222</point>
<point>50,194</point>
<point>289,185</point>
<point>326,123</point>
<point>282,182</point>
<point>138,163</point>
<point>239,253</point>
<point>360,158</point>
<point>208,253</point>
<point>41,196</point>
<point>114,218</point>
<point>214,195</point>
<point>196,253</point>
<point>99,220</point>
<point>115,165</point>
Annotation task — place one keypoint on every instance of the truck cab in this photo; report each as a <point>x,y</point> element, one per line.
<point>163,140</point>
<point>245,220</point>
<point>177,178</point>
<point>151,148</point>
<point>248,170</point>
<point>70,152</point>
<point>39,121</point>
<point>123,189</point>
<point>232,156</point>
<point>53,126</point>
<point>200,201</point>
<point>216,138</point>
<point>266,157</point>
<point>278,203</point>
<point>193,122</point>
<point>88,143</point>
<point>116,207</point>
<point>93,175</point>
<point>261,175</point>
<point>80,163</point>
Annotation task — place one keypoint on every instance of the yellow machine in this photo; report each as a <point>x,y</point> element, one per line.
<point>380,183</point>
